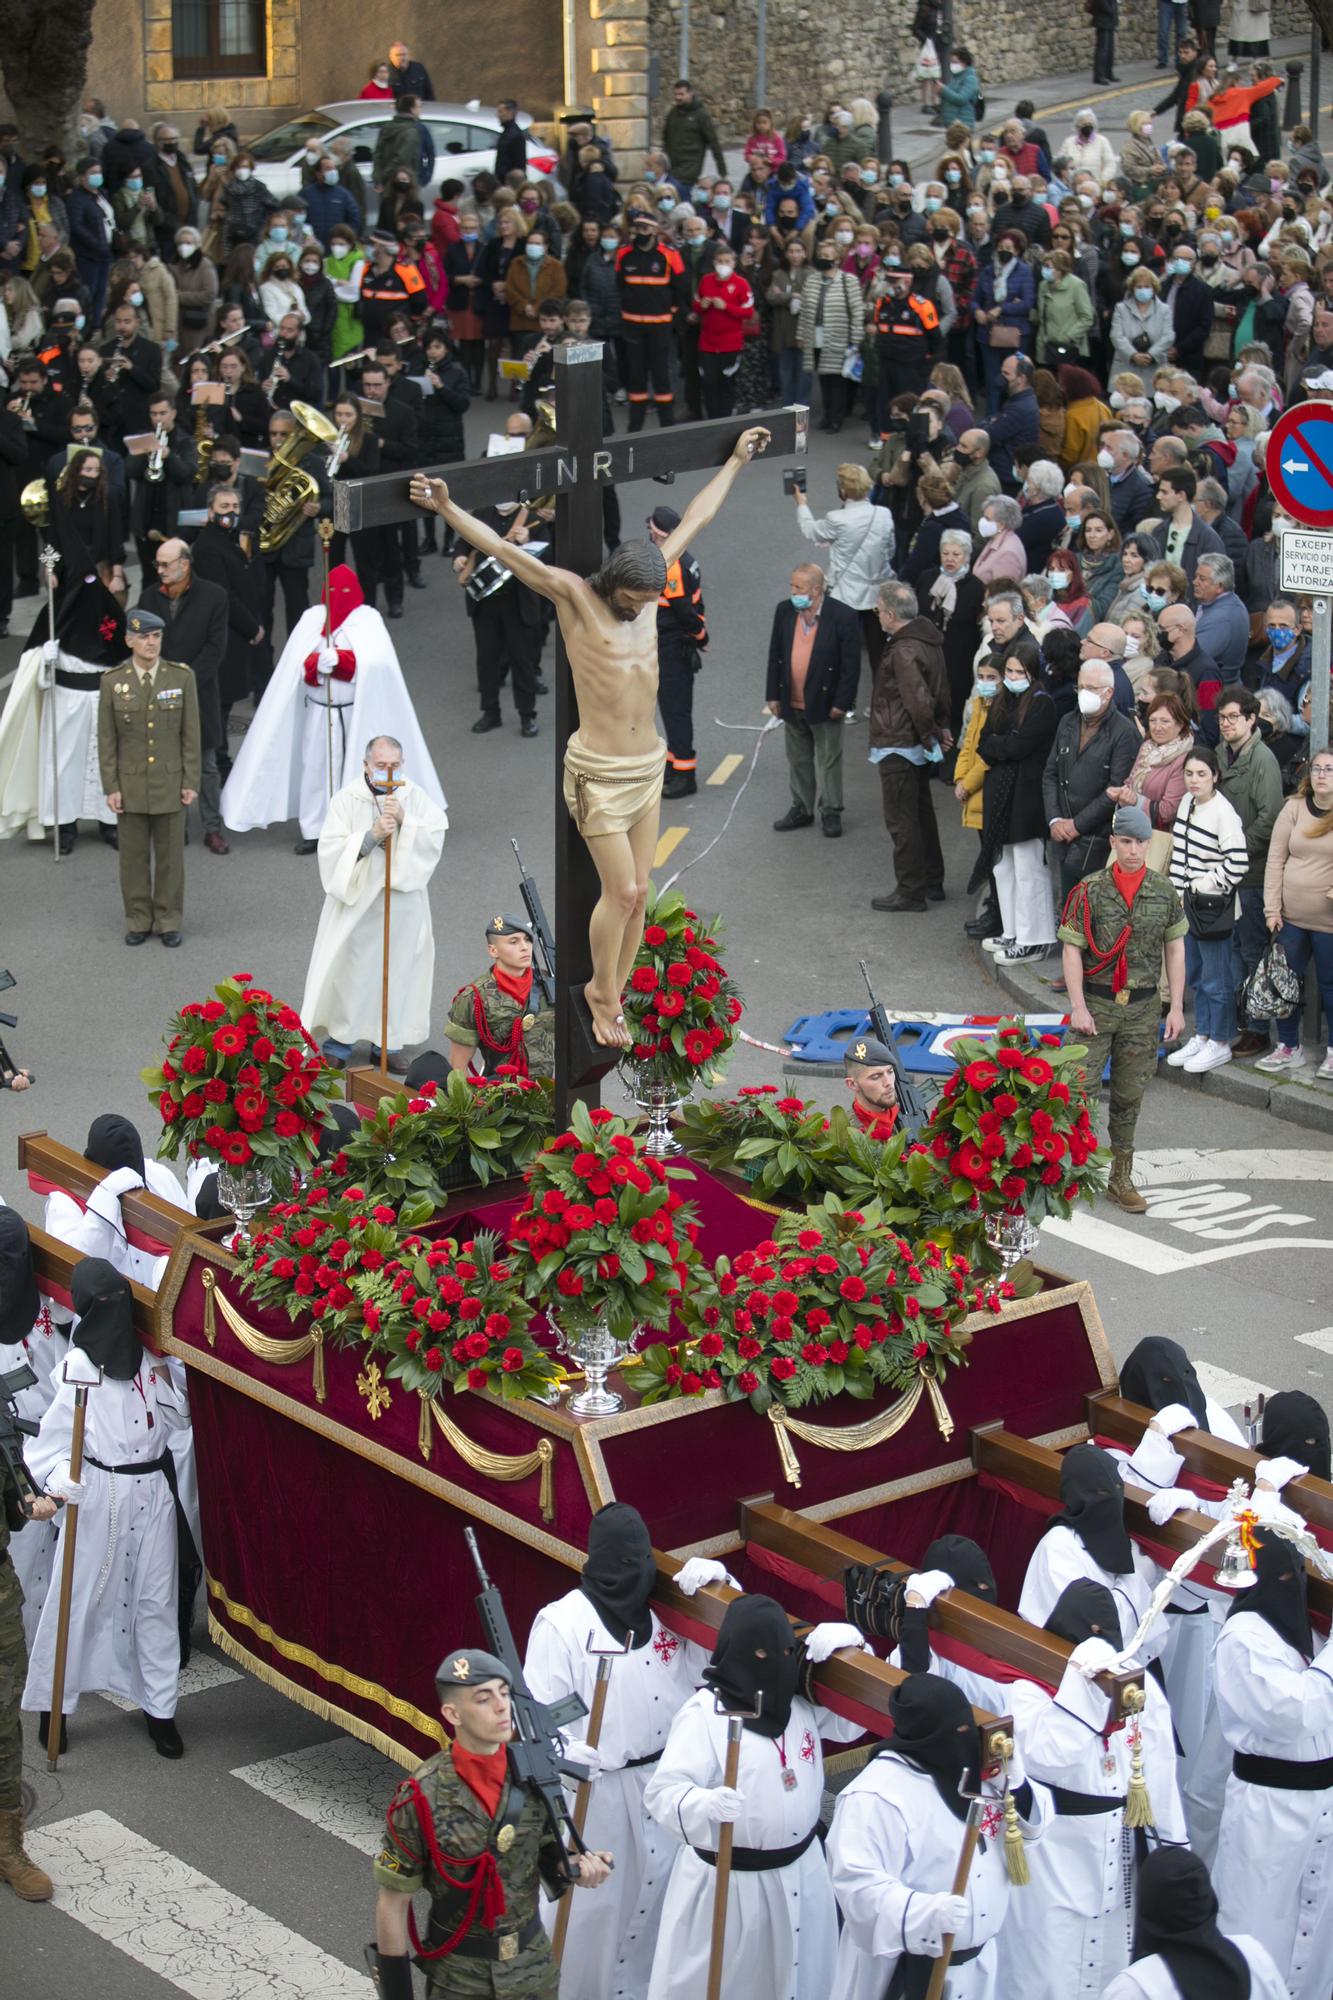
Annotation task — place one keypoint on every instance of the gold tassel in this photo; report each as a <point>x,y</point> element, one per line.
<point>546,1453</point>
<point>1138,1805</point>
<point>791,1465</point>
<point>425,1435</point>
<point>210,1319</point>
<point>321,1384</point>
<point>1015,1854</point>
<point>939,1407</point>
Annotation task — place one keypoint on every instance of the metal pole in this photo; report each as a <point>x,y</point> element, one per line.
<point>684,68</point>
<point>1291,102</point>
<point>569,24</point>
<point>761,57</point>
<point>1323,634</point>
<point>1316,49</point>
<point>49,560</point>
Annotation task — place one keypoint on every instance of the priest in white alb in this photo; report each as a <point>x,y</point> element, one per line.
<point>338,678</point>
<point>384,811</point>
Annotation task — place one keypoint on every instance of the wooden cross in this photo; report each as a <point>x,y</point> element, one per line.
<point>575,469</point>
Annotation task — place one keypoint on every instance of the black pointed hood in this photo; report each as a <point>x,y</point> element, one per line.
<point>1086,1610</point>
<point>966,1562</point>
<point>1159,1372</point>
<point>113,1142</point>
<point>20,1300</point>
<point>620,1572</point>
<point>934,1728</point>
<point>101,1297</point>
<point>1296,1426</point>
<point>1094,1507</point>
<point>1177,1920</point>
<point>756,1626</point>
<point>1279,1593</point>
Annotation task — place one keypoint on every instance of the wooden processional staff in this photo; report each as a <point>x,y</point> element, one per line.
<point>391,785</point>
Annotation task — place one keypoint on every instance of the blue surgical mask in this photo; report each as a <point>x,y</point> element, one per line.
<point>666,202</point>
<point>1127,229</point>
<point>330,177</point>
<point>722,201</point>
<point>219,159</point>
<point>894,262</point>
<point>986,689</point>
<point>650,177</point>
<point>38,190</point>
<point>954,177</point>
<point>895,180</point>
<point>1017,685</point>
<point>801,599</point>
<point>277,234</point>
<point>1155,600</point>
<point>608,242</point>
<point>1181,266</point>
<point>135,186</point>
<point>1279,638</point>
<point>1058,578</point>
<point>701,196</point>
<point>1074,521</point>
<point>832,208</point>
<point>534,250</point>
<point>1143,293</point>
<point>95,181</point>
<point>1048,272</point>
<point>987,156</point>
<point>933,202</point>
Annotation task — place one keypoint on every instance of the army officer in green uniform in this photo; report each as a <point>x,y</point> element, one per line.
<point>482,1846</point>
<point>1116,926</point>
<point>148,747</point>
<point>503,1014</point>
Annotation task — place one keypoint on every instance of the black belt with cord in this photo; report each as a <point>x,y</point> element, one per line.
<point>135,1471</point>
<point>759,1860</point>
<point>1082,1805</point>
<point>80,683</point>
<point>1281,1775</point>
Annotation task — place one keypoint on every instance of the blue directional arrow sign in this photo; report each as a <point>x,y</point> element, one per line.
<point>1299,463</point>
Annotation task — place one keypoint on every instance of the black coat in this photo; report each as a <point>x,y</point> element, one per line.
<point>122,153</point>
<point>1039,530</point>
<point>219,558</point>
<point>1014,749</point>
<point>511,151</point>
<point>395,427</point>
<point>442,416</point>
<point>156,504</point>
<point>835,660</point>
<point>1132,500</point>
<point>196,636</point>
<point>13,463</point>
<point>1192,322</point>
<point>1074,781</point>
<point>129,393</point>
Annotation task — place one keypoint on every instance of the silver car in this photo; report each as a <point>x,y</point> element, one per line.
<point>465,139</point>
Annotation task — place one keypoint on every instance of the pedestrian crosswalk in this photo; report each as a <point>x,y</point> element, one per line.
<point>341,1787</point>
<point>205,1671</point>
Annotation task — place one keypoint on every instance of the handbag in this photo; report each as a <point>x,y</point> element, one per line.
<point>1210,915</point>
<point>1002,335</point>
<point>1272,989</point>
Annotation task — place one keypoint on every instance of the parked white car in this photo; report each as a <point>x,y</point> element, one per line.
<point>465,138</point>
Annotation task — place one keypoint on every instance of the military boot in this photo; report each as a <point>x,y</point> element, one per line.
<point>23,1875</point>
<point>1121,1189</point>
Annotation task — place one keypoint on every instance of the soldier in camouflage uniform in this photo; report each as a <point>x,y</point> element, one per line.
<point>1115,927</point>
<point>482,1846</point>
<point>148,748</point>
<point>503,1013</point>
<point>24,1877</point>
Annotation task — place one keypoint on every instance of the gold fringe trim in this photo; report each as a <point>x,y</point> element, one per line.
<point>282,1353</point>
<point>328,1711</point>
<point>856,1437</point>
<point>1138,1805</point>
<point>490,1464</point>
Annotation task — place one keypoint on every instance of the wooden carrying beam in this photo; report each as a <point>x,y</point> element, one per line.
<point>1212,1458</point>
<point>1002,1634</point>
<point>998,1452</point>
<point>554,469</point>
<point>857,1678</point>
<point>44,1156</point>
<point>54,1263</point>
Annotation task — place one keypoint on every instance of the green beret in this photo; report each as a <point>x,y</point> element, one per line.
<point>469,1667</point>
<point>866,1052</point>
<point>499,927</point>
<point>140,623</point>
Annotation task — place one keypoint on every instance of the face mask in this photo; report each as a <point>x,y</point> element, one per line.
<point>650,177</point>
<point>1074,522</point>
<point>722,201</point>
<point>39,190</point>
<point>895,180</point>
<point>330,177</point>
<point>826,265</point>
<point>1117,402</point>
<point>1131,645</point>
<point>1208,258</point>
<point>940,236</point>
<point>310,270</point>
<point>534,250</point>
<point>1142,292</point>
<point>1017,686</point>
<point>843,236</point>
<point>134,186</point>
<point>219,159</point>
<point>1155,600</point>
<point>723,271</point>
<point>1279,638</point>
<point>1228,239</point>
<point>954,177</point>
<point>1006,256</point>
<point>189,249</point>
<point>135,298</point>
<point>608,242</point>
<point>933,203</point>
<point>278,234</point>
<point>1274,187</point>
<point>666,203</point>
<point>1048,272</point>
<point>987,528</point>
<point>225,520</point>
<point>801,599</point>
<point>893,261</point>
<point>379,779</point>
<point>986,689</point>
<point>955,69</point>
<point>831,208</point>
<point>1089,701</point>
<point>1165,402</point>
<point>1086,203</point>
<point>988,156</point>
<point>243,173</point>
<point>1180,266</point>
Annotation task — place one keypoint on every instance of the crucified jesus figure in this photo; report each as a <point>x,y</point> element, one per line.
<point>615,759</point>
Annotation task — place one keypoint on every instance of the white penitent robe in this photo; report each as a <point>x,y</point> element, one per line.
<point>782,1928</point>
<point>26,798</point>
<point>1274,1868</point>
<point>342,988</point>
<point>611,1936</point>
<point>1060,1558</point>
<point>893,1848</point>
<point>282,767</point>
<point>1150,1978</point>
<point>32,1547</point>
<point>123,1635</point>
<point>1071,1929</point>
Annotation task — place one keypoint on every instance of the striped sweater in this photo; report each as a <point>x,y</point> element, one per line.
<point>1208,848</point>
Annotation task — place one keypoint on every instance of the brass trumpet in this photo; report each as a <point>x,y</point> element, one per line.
<point>289,488</point>
<point>35,502</point>
<point>156,469</point>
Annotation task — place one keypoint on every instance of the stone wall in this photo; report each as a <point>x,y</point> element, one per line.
<point>819,52</point>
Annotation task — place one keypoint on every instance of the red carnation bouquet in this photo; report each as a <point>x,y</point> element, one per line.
<point>603,1236</point>
<point>833,1302</point>
<point>242,1081</point>
<point>681,1006</point>
<point>442,1312</point>
<point>1013,1128</point>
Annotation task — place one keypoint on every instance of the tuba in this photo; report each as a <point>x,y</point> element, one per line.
<point>35,503</point>
<point>288,487</point>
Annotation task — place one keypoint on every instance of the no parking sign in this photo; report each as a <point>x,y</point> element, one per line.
<point>1299,463</point>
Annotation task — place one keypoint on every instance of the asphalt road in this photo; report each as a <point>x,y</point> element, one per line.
<point>241,1872</point>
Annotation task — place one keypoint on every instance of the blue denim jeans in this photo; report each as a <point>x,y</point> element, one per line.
<point>1249,941</point>
<point>1169,11</point>
<point>1300,946</point>
<point>1208,974</point>
<point>793,379</point>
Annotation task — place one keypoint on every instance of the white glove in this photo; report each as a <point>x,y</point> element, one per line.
<point>1275,1472</point>
<point>929,1584</point>
<point>722,1803</point>
<point>1162,1505</point>
<point>698,1571</point>
<point>327,659</point>
<point>832,1637</point>
<point>120,1180</point>
<point>62,1487</point>
<point>587,1754</point>
<point>104,1201</point>
<point>1175,1417</point>
<point>944,1916</point>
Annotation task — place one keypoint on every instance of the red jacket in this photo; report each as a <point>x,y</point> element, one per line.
<point>722,330</point>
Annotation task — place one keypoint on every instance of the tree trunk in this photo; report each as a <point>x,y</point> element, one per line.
<point>44,57</point>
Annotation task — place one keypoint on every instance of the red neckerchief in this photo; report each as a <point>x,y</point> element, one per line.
<point>1100,959</point>
<point>875,1124</point>
<point>1128,885</point>
<point>518,985</point>
<point>483,1773</point>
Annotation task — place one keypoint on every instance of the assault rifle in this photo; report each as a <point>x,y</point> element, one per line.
<point>911,1104</point>
<point>534,1752</point>
<point>17,1491</point>
<point>543,951</point>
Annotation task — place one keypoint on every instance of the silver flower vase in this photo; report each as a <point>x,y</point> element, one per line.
<point>1012,1237</point>
<point>657,1099</point>
<point>244,1190</point>
<point>595,1350</point>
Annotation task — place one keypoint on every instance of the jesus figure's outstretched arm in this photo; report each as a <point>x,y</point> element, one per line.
<point>560,585</point>
<point>707,502</point>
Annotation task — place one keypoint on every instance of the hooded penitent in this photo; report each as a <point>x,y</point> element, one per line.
<point>101,1297</point>
<point>20,1301</point>
<point>966,1562</point>
<point>933,1728</point>
<point>1085,1610</point>
<point>1295,1426</point>
<point>1177,1921</point>
<point>1278,1594</point>
<point>1159,1372</point>
<point>1094,1507</point>
<point>756,1663</point>
<point>620,1572</point>
<point>113,1142</point>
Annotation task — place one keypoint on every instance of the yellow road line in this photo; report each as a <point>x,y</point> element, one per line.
<point>724,770</point>
<point>667,845</point>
